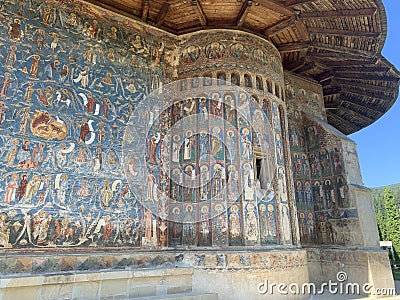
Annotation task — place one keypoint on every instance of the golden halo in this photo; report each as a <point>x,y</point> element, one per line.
<point>234,208</point>
<point>217,166</point>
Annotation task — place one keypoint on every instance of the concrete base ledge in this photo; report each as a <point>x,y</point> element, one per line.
<point>183,296</point>
<point>124,284</point>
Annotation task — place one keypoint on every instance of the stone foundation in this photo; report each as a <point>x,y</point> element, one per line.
<point>102,285</point>
<point>360,266</point>
<point>238,274</point>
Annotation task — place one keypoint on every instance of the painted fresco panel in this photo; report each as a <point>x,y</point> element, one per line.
<point>69,83</point>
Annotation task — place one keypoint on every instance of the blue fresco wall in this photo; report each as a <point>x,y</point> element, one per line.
<point>69,81</point>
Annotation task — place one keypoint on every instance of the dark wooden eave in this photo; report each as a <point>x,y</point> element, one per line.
<point>335,42</point>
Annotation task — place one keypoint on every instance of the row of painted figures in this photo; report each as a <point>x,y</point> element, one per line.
<point>317,165</point>
<point>58,99</point>
<point>70,63</point>
<point>60,157</point>
<point>327,194</point>
<point>67,30</point>
<point>44,228</point>
<point>33,68</point>
<point>64,192</point>
<point>56,229</point>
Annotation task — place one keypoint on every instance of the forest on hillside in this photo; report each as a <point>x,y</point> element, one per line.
<point>377,193</point>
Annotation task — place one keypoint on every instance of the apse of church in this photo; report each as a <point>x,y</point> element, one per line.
<point>70,81</point>
<point>325,211</point>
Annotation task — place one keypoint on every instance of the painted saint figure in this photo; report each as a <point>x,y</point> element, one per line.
<point>11,189</point>
<point>84,190</point>
<point>153,144</point>
<point>232,183</point>
<point>4,231</point>
<point>33,71</point>
<point>22,186</point>
<point>106,193</point>
<point>23,123</point>
<point>204,225</point>
<point>61,188</point>
<point>216,142</point>
<point>251,224</point>
<point>41,224</point>
<point>151,186</point>
<point>11,57</point>
<point>131,167</point>
<point>234,223</point>
<point>32,188</point>
<point>15,32</point>
<point>11,153</point>
<point>6,82</point>
<point>3,111</point>
<point>84,130</point>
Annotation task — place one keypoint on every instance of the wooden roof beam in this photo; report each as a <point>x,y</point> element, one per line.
<point>366,93</point>
<point>200,12</point>
<point>332,104</point>
<point>325,76</point>
<point>340,32</point>
<point>362,85</point>
<point>363,106</point>
<point>351,75</point>
<point>145,10</point>
<point>361,103</point>
<point>293,47</point>
<point>295,65</point>
<point>337,55</point>
<point>357,114</point>
<point>243,12</point>
<point>332,91</point>
<point>327,14</point>
<point>278,27</point>
<point>306,67</point>
<point>289,3</point>
<point>362,69</point>
<point>348,63</point>
<point>162,13</point>
<point>276,7</point>
<point>337,48</point>
<point>338,119</point>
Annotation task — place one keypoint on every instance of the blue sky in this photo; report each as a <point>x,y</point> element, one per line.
<point>379,143</point>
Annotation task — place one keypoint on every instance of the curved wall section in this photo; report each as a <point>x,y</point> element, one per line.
<point>240,58</point>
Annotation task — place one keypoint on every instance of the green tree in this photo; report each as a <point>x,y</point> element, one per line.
<point>380,219</point>
<point>379,203</point>
<point>392,221</point>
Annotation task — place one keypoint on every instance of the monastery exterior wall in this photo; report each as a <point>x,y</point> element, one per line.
<point>240,169</point>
